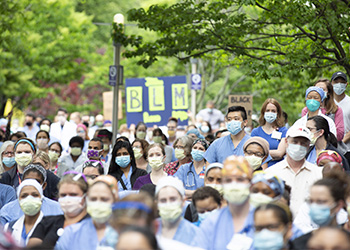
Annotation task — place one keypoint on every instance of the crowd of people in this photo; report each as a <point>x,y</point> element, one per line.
<point>214,184</point>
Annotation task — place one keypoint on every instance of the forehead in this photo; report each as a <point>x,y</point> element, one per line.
<point>122,150</point>
<point>154,150</point>
<point>9,148</point>
<point>171,123</point>
<point>234,114</point>
<point>34,175</point>
<point>90,171</point>
<point>255,148</point>
<point>23,146</point>
<point>322,85</point>
<point>214,172</point>
<point>271,106</point>
<point>141,127</point>
<point>265,217</point>
<point>205,203</point>
<point>137,144</point>
<point>29,189</point>
<point>261,186</point>
<point>94,143</point>
<point>100,189</point>
<point>299,139</point>
<point>61,113</point>
<point>55,147</point>
<point>167,192</point>
<point>314,94</point>
<point>198,144</point>
<point>320,192</point>
<point>69,188</point>
<point>42,134</point>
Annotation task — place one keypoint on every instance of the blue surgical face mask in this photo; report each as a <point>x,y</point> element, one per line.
<point>203,216</point>
<point>268,240</point>
<point>9,161</point>
<point>234,127</point>
<point>312,105</point>
<point>197,155</point>
<point>205,129</point>
<point>123,161</point>
<point>320,214</point>
<point>270,117</point>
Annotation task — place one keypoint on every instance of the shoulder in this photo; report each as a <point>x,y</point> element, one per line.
<point>9,206</point>
<point>220,141</point>
<point>277,166</point>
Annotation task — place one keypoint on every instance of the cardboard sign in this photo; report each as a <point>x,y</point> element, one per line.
<point>108,105</point>
<point>245,101</point>
<point>154,99</point>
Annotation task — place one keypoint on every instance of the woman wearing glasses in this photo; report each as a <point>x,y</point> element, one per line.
<point>192,174</point>
<point>7,156</point>
<point>256,152</point>
<point>92,169</point>
<point>72,190</point>
<point>273,227</point>
<point>155,158</point>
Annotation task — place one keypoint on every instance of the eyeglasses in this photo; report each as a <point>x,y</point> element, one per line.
<point>8,153</point>
<point>257,154</point>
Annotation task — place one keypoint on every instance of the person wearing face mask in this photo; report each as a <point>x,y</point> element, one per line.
<point>24,150</point>
<point>273,227</point>
<point>45,124</point>
<point>192,174</point>
<point>30,128</point>
<point>272,129</point>
<point>321,139</point>
<point>265,188</point>
<point>106,137</point>
<point>155,158</point>
<point>30,195</point>
<point>159,137</point>
<point>220,149</point>
<point>123,166</point>
<point>94,152</point>
<point>62,129</point>
<point>339,82</point>
<point>42,140</point>
<point>297,173</point>
<point>170,194</point>
<point>232,225</point>
<point>330,238</point>
<point>194,133</point>
<point>205,128</point>
<point>313,97</point>
<point>325,206</point>
<point>7,156</point>
<point>75,158</point>
<point>329,108</point>
<point>206,201</point>
<point>12,210</point>
<point>55,152</point>
<point>256,152</point>
<point>72,191</point>
<point>171,126</point>
<point>140,131</point>
<point>183,148</point>
<point>82,131</point>
<point>91,232</point>
<point>139,146</point>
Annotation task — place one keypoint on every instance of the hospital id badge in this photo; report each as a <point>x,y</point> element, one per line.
<point>276,135</point>
<point>240,242</point>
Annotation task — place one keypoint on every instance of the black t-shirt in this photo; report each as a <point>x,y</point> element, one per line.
<point>47,229</point>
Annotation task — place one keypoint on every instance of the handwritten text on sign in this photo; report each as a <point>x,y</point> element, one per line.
<point>245,101</point>
<point>154,99</point>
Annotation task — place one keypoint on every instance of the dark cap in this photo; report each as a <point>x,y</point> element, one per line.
<point>339,74</point>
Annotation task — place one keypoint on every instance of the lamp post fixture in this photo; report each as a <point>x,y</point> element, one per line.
<point>118,19</point>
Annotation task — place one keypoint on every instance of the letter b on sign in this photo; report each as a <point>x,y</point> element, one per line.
<point>134,99</point>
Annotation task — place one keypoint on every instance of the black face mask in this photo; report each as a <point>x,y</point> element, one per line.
<point>29,124</point>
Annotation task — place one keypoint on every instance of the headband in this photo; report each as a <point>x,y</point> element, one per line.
<point>330,155</point>
<point>203,142</point>
<point>276,184</point>
<point>131,204</point>
<point>38,167</point>
<point>27,141</point>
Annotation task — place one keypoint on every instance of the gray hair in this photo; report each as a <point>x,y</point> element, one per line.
<point>187,141</point>
<point>2,149</point>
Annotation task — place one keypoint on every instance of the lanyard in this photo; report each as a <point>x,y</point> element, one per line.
<point>19,178</point>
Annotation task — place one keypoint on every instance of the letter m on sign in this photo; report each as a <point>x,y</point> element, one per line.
<point>179,96</point>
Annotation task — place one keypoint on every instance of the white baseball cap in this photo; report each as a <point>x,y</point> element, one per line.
<point>299,131</point>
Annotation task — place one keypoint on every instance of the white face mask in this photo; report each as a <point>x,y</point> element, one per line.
<point>170,212</point>
<point>339,88</point>
<point>236,193</point>
<point>254,161</point>
<point>296,152</point>
<point>257,199</point>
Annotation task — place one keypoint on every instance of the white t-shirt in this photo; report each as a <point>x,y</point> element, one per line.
<point>345,106</point>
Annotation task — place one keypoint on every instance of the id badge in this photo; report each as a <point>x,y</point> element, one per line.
<point>240,242</point>
<point>276,135</point>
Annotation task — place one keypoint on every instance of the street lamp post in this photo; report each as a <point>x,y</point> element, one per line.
<point>118,19</point>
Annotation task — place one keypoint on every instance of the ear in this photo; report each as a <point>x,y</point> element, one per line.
<point>245,123</point>
<point>339,206</point>
<point>321,132</point>
<point>44,185</point>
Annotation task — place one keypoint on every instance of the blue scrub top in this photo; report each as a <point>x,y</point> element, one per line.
<point>185,233</point>
<point>187,174</point>
<point>272,142</point>
<point>312,157</point>
<point>126,181</point>
<point>217,230</point>
<point>223,147</point>
<point>81,235</point>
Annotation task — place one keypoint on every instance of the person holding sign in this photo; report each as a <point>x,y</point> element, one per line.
<point>272,129</point>
<point>220,149</point>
